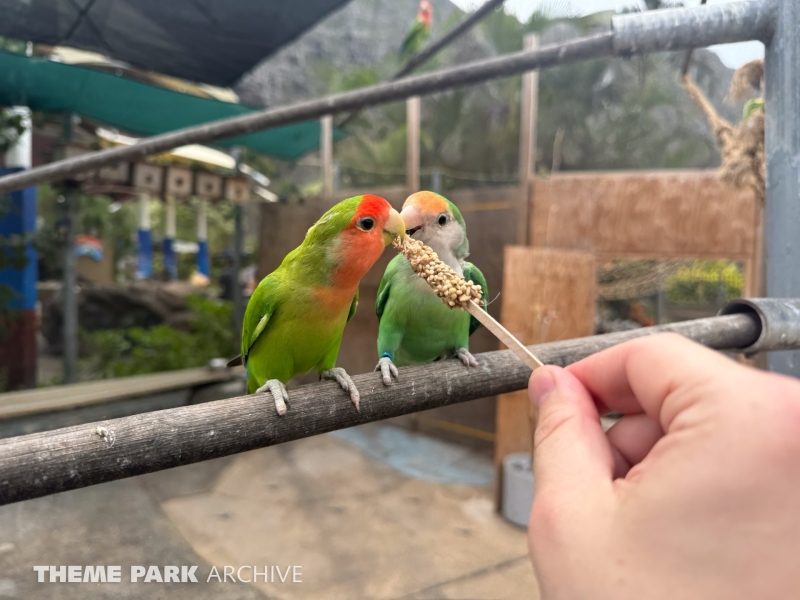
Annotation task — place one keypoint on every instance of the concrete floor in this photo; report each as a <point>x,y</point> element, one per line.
<point>372,512</point>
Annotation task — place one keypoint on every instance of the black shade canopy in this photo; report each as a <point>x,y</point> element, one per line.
<point>209,41</point>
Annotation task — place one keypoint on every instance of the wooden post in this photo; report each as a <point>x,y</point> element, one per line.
<point>412,143</point>
<point>548,295</point>
<point>326,150</point>
<point>527,142</point>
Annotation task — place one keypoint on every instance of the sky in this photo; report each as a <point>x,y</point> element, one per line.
<point>732,55</point>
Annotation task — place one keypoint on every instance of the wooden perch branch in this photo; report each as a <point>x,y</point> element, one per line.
<point>65,459</point>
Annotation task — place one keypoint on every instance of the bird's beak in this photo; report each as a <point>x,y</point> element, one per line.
<point>394,227</point>
<point>412,218</point>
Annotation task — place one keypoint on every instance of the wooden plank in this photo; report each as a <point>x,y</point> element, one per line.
<point>62,397</point>
<point>548,295</point>
<point>413,106</point>
<point>657,214</point>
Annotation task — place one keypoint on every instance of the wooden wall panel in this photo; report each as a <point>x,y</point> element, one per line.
<point>548,295</point>
<point>662,214</point>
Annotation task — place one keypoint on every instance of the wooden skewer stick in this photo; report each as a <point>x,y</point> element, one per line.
<point>517,347</point>
<point>504,335</point>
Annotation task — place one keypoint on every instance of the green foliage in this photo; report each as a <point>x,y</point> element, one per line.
<point>136,351</point>
<point>615,113</point>
<point>97,215</point>
<point>12,127</point>
<point>11,124</point>
<point>117,222</point>
<point>506,32</point>
<point>705,282</point>
<point>752,106</point>
<point>220,231</point>
<point>12,45</point>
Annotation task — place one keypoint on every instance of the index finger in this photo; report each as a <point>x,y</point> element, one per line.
<point>660,375</point>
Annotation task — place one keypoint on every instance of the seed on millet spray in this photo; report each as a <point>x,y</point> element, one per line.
<point>454,290</point>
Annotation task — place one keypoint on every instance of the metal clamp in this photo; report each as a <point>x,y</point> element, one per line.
<point>779,319</point>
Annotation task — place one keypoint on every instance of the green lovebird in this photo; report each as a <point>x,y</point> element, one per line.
<point>419,32</point>
<point>415,325</point>
<point>296,316</point>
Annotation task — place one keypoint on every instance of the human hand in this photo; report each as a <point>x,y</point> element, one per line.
<point>694,493</point>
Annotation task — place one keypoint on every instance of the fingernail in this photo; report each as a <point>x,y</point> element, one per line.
<point>540,386</point>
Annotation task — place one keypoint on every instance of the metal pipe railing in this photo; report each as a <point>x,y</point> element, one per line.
<point>64,459</point>
<point>682,28</point>
<point>781,222</point>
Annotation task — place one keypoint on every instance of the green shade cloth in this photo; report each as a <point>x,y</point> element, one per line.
<point>211,41</point>
<point>138,108</point>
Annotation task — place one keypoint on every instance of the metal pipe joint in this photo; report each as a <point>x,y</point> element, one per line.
<point>779,320</point>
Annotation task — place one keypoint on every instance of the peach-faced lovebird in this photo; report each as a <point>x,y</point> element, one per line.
<point>295,318</point>
<point>419,33</point>
<point>415,325</point>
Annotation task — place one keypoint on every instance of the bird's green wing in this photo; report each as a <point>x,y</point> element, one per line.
<point>259,311</point>
<point>473,273</point>
<point>414,39</point>
<point>752,106</point>
<point>386,284</point>
<point>353,306</point>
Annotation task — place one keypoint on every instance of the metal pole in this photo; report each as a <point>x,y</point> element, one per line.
<point>529,104</point>
<point>685,28</point>
<point>782,212</point>
<point>238,245</point>
<point>70,287</point>
<point>436,181</point>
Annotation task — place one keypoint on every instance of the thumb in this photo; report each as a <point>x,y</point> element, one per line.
<point>571,452</point>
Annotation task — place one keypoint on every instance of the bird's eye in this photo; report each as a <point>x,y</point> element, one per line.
<point>442,220</point>
<point>366,223</point>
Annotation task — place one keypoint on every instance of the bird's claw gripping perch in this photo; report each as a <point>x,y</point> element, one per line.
<point>465,356</point>
<point>387,369</point>
<point>344,380</point>
<point>279,394</point>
